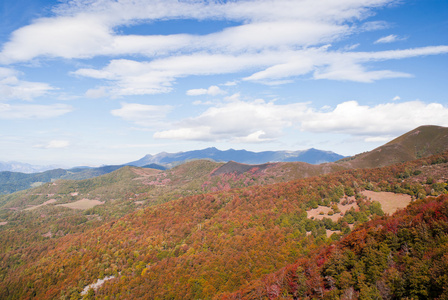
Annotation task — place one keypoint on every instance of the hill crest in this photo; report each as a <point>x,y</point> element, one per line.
<point>421,142</point>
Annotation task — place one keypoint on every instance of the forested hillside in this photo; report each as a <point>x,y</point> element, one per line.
<point>226,243</point>
<point>404,256</point>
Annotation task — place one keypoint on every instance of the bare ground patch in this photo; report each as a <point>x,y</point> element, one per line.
<point>48,234</point>
<point>322,211</point>
<point>146,172</point>
<point>3,223</point>
<point>95,286</point>
<point>390,202</point>
<point>82,204</point>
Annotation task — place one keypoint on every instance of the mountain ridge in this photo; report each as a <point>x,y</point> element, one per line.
<point>420,142</point>
<point>312,156</point>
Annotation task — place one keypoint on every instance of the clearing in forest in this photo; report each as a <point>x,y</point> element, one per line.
<point>83,204</point>
<point>390,202</point>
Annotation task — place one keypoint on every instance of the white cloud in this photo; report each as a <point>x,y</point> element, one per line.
<point>12,88</point>
<point>230,83</point>
<point>355,72</point>
<point>397,54</point>
<point>388,39</point>
<point>237,121</point>
<point>138,78</point>
<point>83,29</point>
<point>143,115</point>
<point>374,25</point>
<point>212,91</point>
<point>97,92</point>
<point>348,66</point>
<point>396,98</point>
<point>54,144</point>
<point>32,111</point>
<point>259,121</point>
<point>197,92</point>
<point>351,47</point>
<point>376,121</point>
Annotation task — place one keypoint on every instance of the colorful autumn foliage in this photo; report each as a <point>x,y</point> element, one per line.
<point>404,256</point>
<point>249,243</point>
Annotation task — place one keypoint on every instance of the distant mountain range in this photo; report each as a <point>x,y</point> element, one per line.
<point>14,166</point>
<point>420,142</point>
<point>311,156</point>
<point>19,180</point>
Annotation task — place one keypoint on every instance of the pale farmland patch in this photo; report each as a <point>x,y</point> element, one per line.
<point>3,223</point>
<point>82,204</point>
<point>390,202</point>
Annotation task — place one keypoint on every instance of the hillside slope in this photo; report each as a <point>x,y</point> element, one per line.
<point>420,142</point>
<point>11,182</point>
<point>403,256</point>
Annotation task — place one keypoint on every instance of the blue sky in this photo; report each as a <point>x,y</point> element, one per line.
<point>90,82</point>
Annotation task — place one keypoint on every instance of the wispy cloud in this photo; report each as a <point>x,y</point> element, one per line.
<point>54,144</point>
<point>12,88</point>
<point>212,91</point>
<point>143,115</point>
<point>33,111</point>
<point>389,39</point>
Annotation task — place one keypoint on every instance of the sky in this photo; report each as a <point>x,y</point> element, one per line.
<point>92,82</point>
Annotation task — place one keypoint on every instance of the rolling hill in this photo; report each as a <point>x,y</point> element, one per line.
<point>420,142</point>
<point>11,182</point>
<point>14,181</point>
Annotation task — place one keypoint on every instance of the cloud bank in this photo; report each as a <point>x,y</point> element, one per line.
<point>260,121</point>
